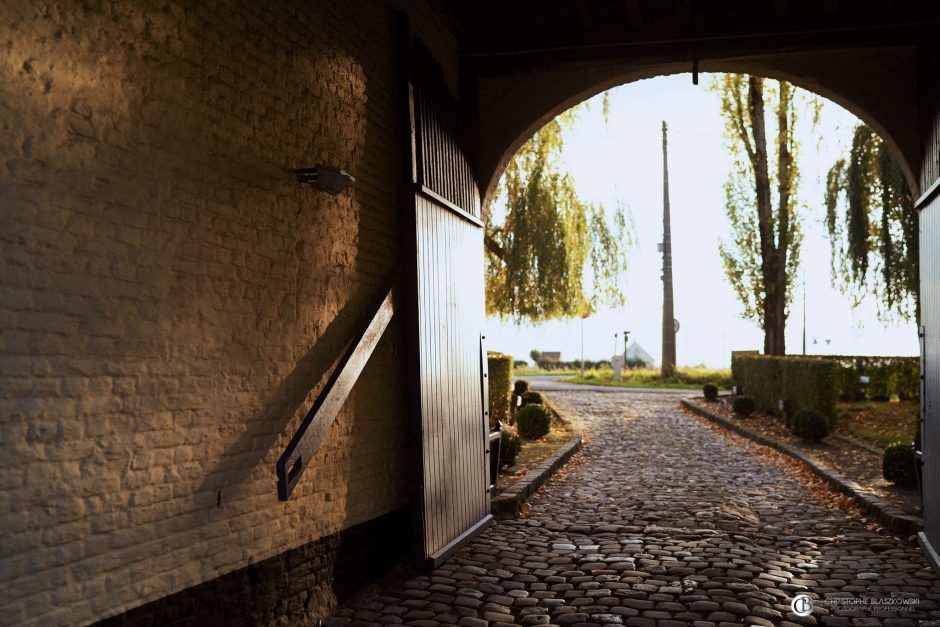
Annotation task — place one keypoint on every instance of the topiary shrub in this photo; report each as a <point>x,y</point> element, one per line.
<point>710,391</point>
<point>520,387</point>
<point>509,447</point>
<point>500,384</point>
<point>533,398</point>
<point>743,405</point>
<point>809,425</point>
<point>533,421</point>
<point>898,464</point>
<point>809,383</point>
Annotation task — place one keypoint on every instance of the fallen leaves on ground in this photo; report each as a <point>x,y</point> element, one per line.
<point>825,494</point>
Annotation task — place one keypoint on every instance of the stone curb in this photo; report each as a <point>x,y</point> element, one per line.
<point>885,514</point>
<point>509,502</point>
<point>859,443</point>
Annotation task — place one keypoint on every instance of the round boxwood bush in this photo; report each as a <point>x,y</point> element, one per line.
<point>710,391</point>
<point>520,387</point>
<point>898,464</point>
<point>743,405</point>
<point>533,421</point>
<point>809,425</point>
<point>509,447</point>
<point>533,398</point>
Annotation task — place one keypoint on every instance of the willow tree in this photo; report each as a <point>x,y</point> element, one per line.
<point>760,199</point>
<point>553,255</point>
<point>873,228</point>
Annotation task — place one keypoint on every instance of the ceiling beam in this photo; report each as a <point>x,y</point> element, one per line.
<point>684,11</point>
<point>584,14</point>
<point>731,9</point>
<point>536,14</point>
<point>634,16</point>
<point>702,47</point>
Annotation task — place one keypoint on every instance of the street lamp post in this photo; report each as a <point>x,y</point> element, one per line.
<point>582,345</point>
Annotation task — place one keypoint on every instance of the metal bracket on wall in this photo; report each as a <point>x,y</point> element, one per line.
<point>303,446</point>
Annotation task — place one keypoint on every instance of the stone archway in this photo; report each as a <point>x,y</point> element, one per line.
<point>879,85</point>
<point>892,88</point>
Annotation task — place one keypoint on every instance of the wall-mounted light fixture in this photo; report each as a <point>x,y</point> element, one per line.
<point>330,180</point>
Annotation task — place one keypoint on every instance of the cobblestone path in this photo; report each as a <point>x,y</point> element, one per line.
<point>660,521</point>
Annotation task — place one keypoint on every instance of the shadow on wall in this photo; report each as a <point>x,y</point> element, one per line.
<point>247,455</point>
<point>155,208</point>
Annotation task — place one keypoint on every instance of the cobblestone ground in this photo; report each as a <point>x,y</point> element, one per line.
<point>661,522</point>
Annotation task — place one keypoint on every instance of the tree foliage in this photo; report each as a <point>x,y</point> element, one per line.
<point>554,255</point>
<point>873,227</point>
<point>760,199</point>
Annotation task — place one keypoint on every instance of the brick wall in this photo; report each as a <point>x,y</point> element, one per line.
<point>171,299</point>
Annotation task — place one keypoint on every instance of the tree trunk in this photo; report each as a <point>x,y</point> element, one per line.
<point>775,321</point>
<point>774,291</point>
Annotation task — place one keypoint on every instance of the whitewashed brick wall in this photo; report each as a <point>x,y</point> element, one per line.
<point>171,299</point>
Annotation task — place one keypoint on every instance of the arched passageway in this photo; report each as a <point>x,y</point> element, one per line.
<point>175,297</point>
<point>879,64</point>
<point>878,85</point>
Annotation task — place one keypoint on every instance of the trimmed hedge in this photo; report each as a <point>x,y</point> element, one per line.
<point>533,398</point>
<point>710,391</point>
<point>571,365</point>
<point>810,425</point>
<point>500,386</point>
<point>899,465</point>
<point>533,421</point>
<point>509,447</point>
<point>807,383</point>
<point>890,376</point>
<point>743,406</point>
<point>734,357</point>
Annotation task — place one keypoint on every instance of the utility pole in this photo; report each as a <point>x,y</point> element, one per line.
<point>804,311</point>
<point>669,319</point>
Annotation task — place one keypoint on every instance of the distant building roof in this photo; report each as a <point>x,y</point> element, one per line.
<point>635,351</point>
<point>551,355</point>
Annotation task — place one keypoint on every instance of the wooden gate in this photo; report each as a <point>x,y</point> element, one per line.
<point>928,206</point>
<point>446,238</point>
<point>930,367</point>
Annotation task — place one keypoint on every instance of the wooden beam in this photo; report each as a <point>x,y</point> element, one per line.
<point>303,446</point>
<point>536,14</point>
<point>664,49</point>
<point>634,16</point>
<point>584,14</point>
<point>731,9</point>
<point>684,11</point>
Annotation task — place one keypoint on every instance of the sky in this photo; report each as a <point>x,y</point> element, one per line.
<point>622,158</point>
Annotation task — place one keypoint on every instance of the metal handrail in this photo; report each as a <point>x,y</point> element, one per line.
<point>302,447</point>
